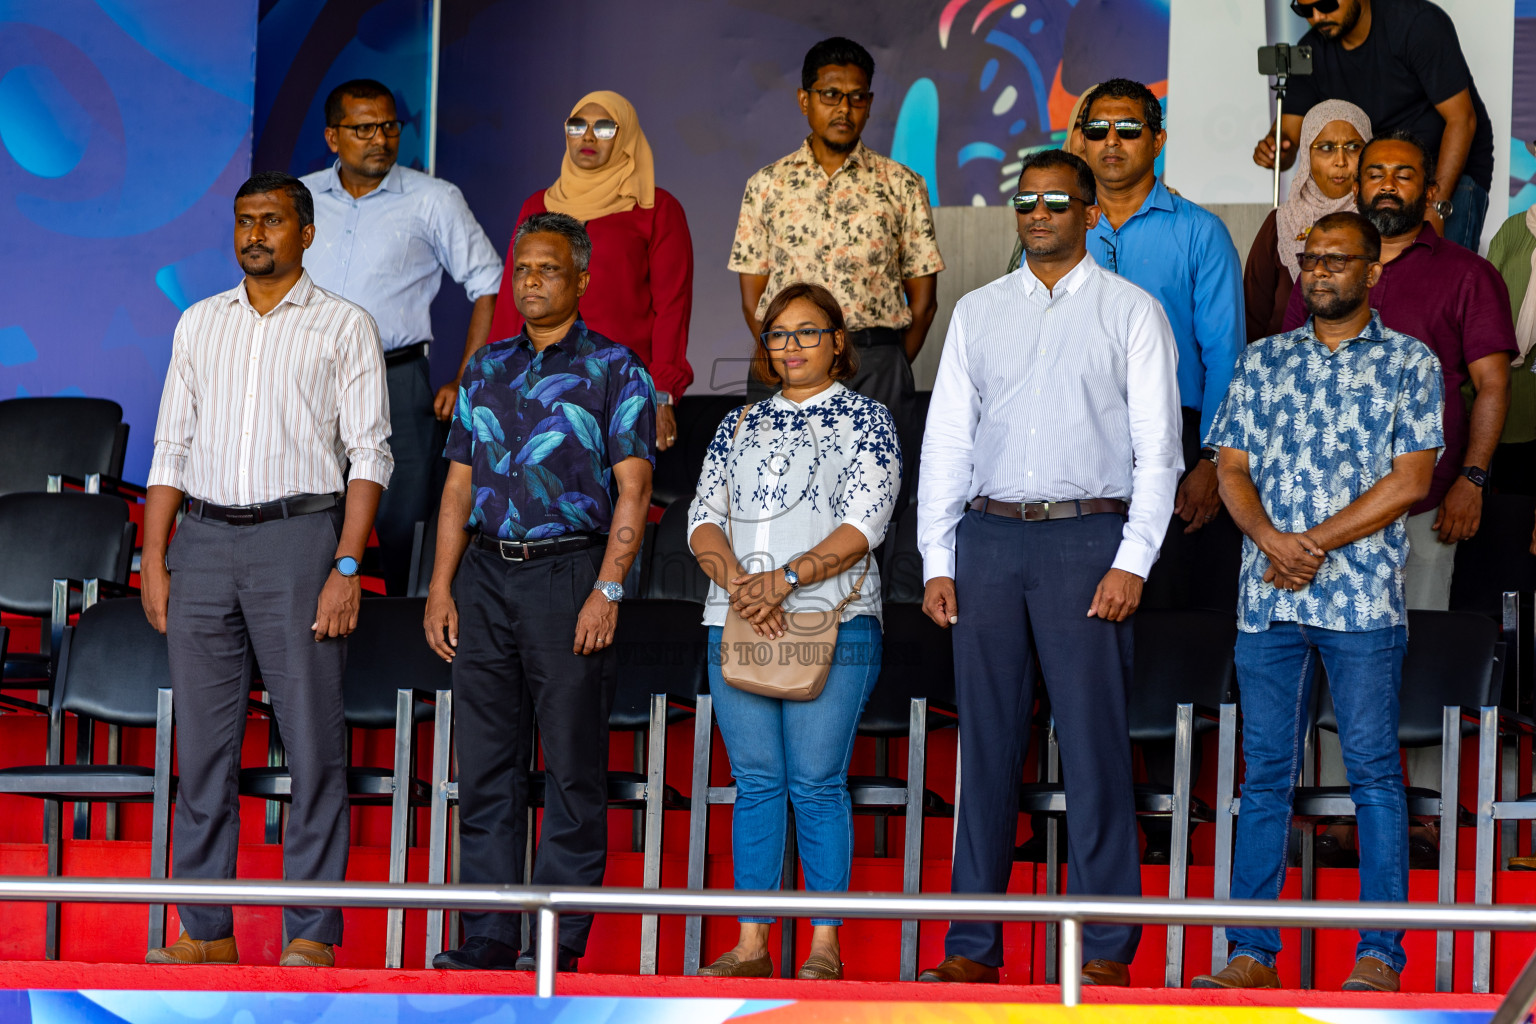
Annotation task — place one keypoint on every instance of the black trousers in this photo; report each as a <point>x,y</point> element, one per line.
<point>238,591</point>
<point>413,441</point>
<point>517,624</point>
<point>1024,589</point>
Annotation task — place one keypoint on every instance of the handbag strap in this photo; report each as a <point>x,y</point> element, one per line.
<point>730,534</point>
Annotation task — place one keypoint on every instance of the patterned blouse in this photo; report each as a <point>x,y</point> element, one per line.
<point>860,232</point>
<point>793,475</point>
<point>1320,428</point>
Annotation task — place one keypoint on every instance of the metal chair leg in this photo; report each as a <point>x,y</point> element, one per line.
<point>437,827</point>
<point>698,826</point>
<point>1450,787</point>
<point>789,883</point>
<point>655,782</point>
<point>1226,780</point>
<point>1487,769</point>
<point>114,755</point>
<point>1052,860</point>
<point>1178,858</point>
<point>277,757</point>
<point>85,752</point>
<point>399,815</point>
<point>882,820</point>
<point>160,827</point>
<point>1309,861</point>
<point>912,849</point>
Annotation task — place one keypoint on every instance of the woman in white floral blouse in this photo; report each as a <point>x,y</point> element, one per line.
<point>804,484</point>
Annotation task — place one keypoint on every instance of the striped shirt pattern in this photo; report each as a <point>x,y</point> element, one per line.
<point>1052,397</point>
<point>258,408</point>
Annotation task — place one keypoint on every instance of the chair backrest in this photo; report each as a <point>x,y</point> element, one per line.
<point>1496,559</point>
<point>113,665</point>
<point>1450,660</point>
<point>74,436</point>
<point>1183,656</point>
<point>678,468</point>
<point>423,557</point>
<point>385,653</point>
<point>661,646</point>
<point>916,660</point>
<point>674,572</point>
<point>901,570</point>
<point>44,537</point>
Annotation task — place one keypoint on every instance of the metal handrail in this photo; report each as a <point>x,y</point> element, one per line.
<point>1069,911</point>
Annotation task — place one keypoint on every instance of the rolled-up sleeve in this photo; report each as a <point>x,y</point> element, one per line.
<point>1152,398</point>
<point>462,247</point>
<point>177,419</point>
<point>868,496</point>
<point>363,401</point>
<point>948,455</point>
<point>711,502</point>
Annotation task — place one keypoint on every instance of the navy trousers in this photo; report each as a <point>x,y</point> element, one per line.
<point>1024,589</point>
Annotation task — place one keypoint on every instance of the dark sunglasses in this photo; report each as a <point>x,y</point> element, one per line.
<point>1315,7</point>
<point>1098,131</point>
<point>1056,202</point>
<point>603,128</point>
<point>806,337</point>
<point>1334,261</point>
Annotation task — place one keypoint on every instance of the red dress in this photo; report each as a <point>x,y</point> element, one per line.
<point>641,291</point>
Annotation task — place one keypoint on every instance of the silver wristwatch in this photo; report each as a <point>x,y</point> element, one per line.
<point>792,578</point>
<point>614,592</point>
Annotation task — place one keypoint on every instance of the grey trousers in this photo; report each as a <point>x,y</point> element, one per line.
<point>239,592</point>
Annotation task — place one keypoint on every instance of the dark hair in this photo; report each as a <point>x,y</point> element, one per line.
<point>844,365</point>
<point>263,182</point>
<point>838,51</point>
<point>1346,220</point>
<point>1086,189</point>
<point>358,89</point>
<point>1125,89</point>
<point>1426,162</point>
<point>564,225</point>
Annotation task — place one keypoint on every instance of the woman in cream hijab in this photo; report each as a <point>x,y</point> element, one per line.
<point>641,289</point>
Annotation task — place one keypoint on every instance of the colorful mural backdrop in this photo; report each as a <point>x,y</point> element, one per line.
<point>124,131</point>
<point>1522,146</point>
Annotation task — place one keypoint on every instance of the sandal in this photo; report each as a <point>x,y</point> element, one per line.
<point>731,966</point>
<point>819,967</point>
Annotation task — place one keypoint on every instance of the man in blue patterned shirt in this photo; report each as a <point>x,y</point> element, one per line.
<point>1328,434</point>
<point>551,451</point>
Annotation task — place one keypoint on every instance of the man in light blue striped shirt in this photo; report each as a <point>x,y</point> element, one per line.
<point>1050,460</point>
<point>384,234</point>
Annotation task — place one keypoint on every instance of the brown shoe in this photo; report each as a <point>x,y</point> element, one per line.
<point>818,967</point>
<point>1371,975</point>
<point>306,953</point>
<point>731,966</point>
<point>187,950</point>
<point>1109,973</point>
<point>1522,863</point>
<point>959,969</point>
<point>1241,972</point>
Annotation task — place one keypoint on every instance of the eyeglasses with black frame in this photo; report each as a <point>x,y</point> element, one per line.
<point>1056,202</point>
<point>604,128</point>
<point>805,337</point>
<point>1317,7</point>
<point>1127,128</point>
<point>1334,261</point>
<point>834,97</point>
<point>365,132</point>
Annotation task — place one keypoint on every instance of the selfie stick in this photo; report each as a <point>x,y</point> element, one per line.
<point>1279,88</point>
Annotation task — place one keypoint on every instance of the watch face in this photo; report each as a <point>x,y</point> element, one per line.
<point>347,566</point>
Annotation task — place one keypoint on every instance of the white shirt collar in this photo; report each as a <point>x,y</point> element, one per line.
<point>810,403</point>
<point>1070,283</point>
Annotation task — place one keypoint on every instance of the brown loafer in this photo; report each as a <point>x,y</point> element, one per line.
<point>1109,973</point>
<point>305,953</point>
<point>731,966</point>
<point>1240,972</point>
<point>818,967</point>
<point>1371,975</point>
<point>958,969</point>
<point>187,950</point>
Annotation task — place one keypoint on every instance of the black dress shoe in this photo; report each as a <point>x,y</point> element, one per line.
<point>478,954</point>
<point>565,960</point>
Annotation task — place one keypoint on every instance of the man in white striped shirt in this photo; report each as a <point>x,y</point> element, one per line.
<point>1050,460</point>
<point>273,388</point>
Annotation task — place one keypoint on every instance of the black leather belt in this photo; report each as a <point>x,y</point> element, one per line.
<point>405,354</point>
<point>250,515</point>
<point>1036,511</point>
<point>875,337</point>
<point>524,551</point>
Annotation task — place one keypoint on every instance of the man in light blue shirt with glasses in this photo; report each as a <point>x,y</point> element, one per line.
<point>384,234</point>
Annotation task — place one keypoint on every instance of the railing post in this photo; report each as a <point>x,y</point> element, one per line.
<point>1071,961</point>
<point>549,942</point>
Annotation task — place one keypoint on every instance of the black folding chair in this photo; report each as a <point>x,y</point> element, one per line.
<point>48,441</point>
<point>674,572</point>
<point>678,468</point>
<point>113,668</point>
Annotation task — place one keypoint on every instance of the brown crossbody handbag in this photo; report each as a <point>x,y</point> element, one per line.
<point>794,666</point>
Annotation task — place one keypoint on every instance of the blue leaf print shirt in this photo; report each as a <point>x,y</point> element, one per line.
<point>1320,429</point>
<point>542,431</point>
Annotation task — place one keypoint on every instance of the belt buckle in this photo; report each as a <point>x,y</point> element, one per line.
<point>240,517</point>
<point>1034,511</point>
<point>504,546</point>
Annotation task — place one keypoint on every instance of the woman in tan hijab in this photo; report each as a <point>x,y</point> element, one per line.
<point>641,289</point>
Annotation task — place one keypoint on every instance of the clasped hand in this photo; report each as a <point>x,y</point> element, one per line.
<point>757,596</point>
<point>1294,559</point>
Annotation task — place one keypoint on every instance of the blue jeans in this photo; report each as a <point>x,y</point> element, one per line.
<point>1275,671</point>
<point>1469,206</point>
<point>799,750</point>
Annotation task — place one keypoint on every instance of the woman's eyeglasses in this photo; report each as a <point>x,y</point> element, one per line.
<point>834,97</point>
<point>805,337</point>
<point>1056,202</point>
<point>603,128</point>
<point>1330,148</point>
<point>1334,261</point>
<point>1098,131</point>
<point>1315,7</point>
<point>366,131</point>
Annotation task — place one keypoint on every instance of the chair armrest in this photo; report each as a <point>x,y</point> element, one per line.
<point>102,484</point>
<point>21,704</point>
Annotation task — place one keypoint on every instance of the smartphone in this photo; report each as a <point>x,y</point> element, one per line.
<point>1283,59</point>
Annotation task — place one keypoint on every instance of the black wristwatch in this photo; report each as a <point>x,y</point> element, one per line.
<point>1209,454</point>
<point>1476,474</point>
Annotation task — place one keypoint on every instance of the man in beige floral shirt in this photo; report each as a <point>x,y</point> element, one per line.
<point>836,213</point>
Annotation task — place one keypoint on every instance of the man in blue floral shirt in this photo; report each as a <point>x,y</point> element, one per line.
<point>549,479</point>
<point>1328,434</point>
